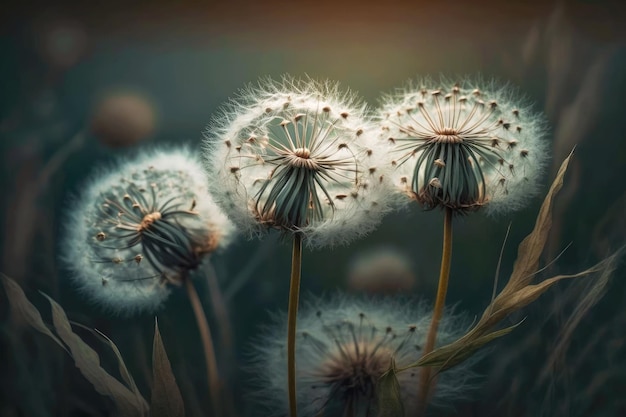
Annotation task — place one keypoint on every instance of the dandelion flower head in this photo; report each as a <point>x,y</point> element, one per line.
<point>344,345</point>
<point>459,146</point>
<point>298,156</point>
<point>140,226</point>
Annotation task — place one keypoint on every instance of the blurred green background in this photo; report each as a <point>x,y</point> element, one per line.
<point>84,84</point>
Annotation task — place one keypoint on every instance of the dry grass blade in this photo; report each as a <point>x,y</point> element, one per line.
<point>450,355</point>
<point>530,293</point>
<point>456,352</point>
<point>530,47</point>
<point>518,292</point>
<point>167,400</point>
<point>23,311</point>
<point>388,393</point>
<point>126,376</point>
<point>593,294</point>
<point>529,251</point>
<point>580,115</point>
<point>88,362</point>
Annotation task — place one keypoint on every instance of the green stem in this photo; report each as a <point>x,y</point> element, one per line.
<point>207,342</point>
<point>425,385</point>
<point>292,314</point>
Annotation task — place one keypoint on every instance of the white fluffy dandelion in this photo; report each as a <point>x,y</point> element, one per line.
<point>344,347</point>
<point>299,156</point>
<point>140,226</point>
<point>462,146</point>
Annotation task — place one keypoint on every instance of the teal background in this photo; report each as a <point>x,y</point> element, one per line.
<point>184,61</point>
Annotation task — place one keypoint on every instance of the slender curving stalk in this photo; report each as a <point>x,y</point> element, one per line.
<point>207,343</point>
<point>225,330</point>
<point>425,386</point>
<point>220,310</point>
<point>292,314</point>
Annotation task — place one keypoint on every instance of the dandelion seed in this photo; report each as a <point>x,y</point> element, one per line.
<point>140,227</point>
<point>459,145</point>
<point>344,347</point>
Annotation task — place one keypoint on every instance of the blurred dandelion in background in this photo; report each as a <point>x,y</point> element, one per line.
<point>62,42</point>
<point>123,118</point>
<point>140,227</point>
<point>381,270</point>
<point>345,345</point>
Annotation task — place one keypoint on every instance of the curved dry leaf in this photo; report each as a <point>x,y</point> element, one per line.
<point>530,293</point>
<point>24,311</point>
<point>88,362</point>
<point>593,294</point>
<point>529,251</point>
<point>518,291</point>
<point>456,352</point>
<point>167,400</point>
<point>611,228</point>
<point>388,394</point>
<point>461,349</point>
<point>126,376</point>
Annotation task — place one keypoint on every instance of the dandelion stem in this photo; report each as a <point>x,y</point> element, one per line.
<point>292,314</point>
<point>59,158</point>
<point>207,342</point>
<point>444,274</point>
<point>220,311</point>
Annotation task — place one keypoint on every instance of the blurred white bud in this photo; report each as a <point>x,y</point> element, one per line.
<point>381,271</point>
<point>123,119</point>
<point>61,42</point>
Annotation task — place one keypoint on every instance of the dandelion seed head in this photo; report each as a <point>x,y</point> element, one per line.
<point>141,226</point>
<point>462,147</point>
<point>297,156</point>
<point>343,347</point>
